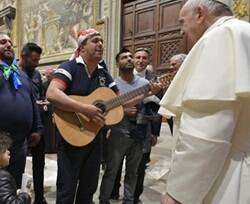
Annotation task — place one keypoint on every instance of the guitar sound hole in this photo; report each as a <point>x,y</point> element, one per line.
<point>100,105</point>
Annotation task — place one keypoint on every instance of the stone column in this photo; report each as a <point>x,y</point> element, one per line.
<point>115,34</point>
<point>109,24</point>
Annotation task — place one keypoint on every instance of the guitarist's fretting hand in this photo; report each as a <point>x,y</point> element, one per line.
<point>130,111</point>
<point>94,113</point>
<point>155,87</point>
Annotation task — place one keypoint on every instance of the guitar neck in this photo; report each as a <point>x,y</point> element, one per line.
<point>120,100</point>
<point>164,80</point>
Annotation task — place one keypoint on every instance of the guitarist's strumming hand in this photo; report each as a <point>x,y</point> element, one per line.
<point>93,113</point>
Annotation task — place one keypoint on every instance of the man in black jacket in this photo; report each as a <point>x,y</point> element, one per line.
<point>30,56</point>
<point>8,190</point>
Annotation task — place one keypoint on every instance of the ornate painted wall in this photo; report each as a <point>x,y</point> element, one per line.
<point>54,23</point>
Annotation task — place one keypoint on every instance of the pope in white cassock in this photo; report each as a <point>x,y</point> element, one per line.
<point>210,100</point>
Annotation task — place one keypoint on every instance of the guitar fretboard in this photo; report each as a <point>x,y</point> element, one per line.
<point>165,81</point>
<point>119,100</point>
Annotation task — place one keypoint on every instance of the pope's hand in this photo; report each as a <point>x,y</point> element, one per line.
<point>167,199</point>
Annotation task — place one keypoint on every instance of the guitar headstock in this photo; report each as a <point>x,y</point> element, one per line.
<point>165,79</point>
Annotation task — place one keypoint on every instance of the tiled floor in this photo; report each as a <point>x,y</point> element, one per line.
<point>155,176</point>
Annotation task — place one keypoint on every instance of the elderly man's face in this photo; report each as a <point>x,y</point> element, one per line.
<point>191,23</point>
<point>175,63</point>
<point>6,48</point>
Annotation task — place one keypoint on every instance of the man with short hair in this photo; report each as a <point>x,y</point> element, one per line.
<point>19,113</point>
<point>141,61</point>
<point>29,60</point>
<point>126,137</point>
<point>210,99</point>
<point>78,167</point>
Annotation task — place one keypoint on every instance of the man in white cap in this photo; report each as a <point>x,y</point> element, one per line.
<point>78,167</point>
<point>210,99</point>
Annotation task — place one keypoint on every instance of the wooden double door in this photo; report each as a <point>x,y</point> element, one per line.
<point>153,24</point>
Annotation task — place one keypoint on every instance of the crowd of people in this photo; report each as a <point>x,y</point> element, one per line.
<point>206,107</point>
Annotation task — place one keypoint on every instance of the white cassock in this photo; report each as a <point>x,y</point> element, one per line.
<point>210,100</point>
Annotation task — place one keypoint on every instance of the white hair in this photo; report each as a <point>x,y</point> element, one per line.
<point>179,57</point>
<point>214,7</point>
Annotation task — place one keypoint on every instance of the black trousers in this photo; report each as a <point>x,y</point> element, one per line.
<point>120,145</point>
<point>140,177</point>
<point>38,162</point>
<point>115,194</point>
<point>117,183</point>
<point>18,153</point>
<point>78,172</point>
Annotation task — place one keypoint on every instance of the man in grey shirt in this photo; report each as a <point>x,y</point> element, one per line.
<point>125,139</point>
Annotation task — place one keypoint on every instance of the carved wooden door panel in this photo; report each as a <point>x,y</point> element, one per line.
<point>153,24</point>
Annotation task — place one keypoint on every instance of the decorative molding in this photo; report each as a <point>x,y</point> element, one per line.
<point>100,22</point>
<point>7,3</point>
<point>241,8</point>
<point>7,15</point>
<point>9,11</point>
<point>144,38</point>
<point>170,34</point>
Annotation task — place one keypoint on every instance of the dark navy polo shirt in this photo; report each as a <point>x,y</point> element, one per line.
<point>78,81</point>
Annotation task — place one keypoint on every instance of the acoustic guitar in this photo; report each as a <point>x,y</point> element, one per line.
<point>78,130</point>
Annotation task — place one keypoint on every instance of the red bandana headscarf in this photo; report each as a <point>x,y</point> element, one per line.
<point>81,37</point>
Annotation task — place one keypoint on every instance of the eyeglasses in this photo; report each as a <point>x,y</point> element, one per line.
<point>4,41</point>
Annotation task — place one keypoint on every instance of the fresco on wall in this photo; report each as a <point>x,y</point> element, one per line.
<point>53,24</point>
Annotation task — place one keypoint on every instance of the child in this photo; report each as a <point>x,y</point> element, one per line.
<point>8,191</point>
